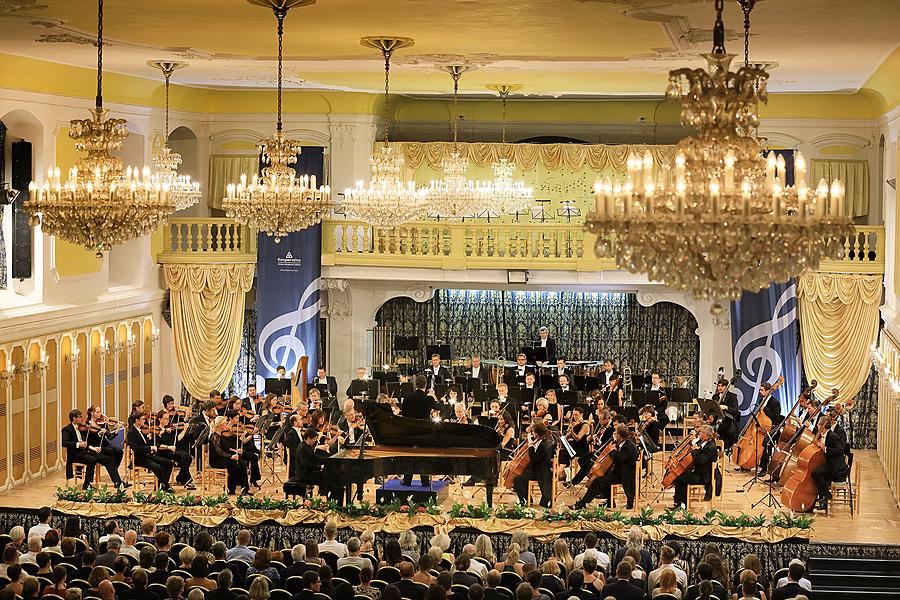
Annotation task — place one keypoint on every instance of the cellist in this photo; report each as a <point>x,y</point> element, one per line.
<point>624,458</point>
<point>705,453</point>
<point>540,449</point>
<point>835,467</point>
<point>731,413</point>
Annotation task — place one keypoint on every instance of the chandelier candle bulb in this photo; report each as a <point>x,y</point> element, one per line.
<point>800,169</point>
<point>770,169</point>
<point>648,170</point>
<point>729,172</point>
<point>781,169</point>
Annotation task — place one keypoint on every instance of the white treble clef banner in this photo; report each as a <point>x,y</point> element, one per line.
<point>765,333</point>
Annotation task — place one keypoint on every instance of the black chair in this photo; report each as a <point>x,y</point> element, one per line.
<point>378,584</point>
<point>321,596</point>
<point>51,597</point>
<point>30,568</point>
<point>294,584</point>
<point>361,597</point>
<point>5,540</point>
<point>4,581</point>
<point>120,586</point>
<point>101,548</point>
<point>460,592</point>
<point>388,574</point>
<point>80,545</point>
<point>181,573</point>
<point>43,582</point>
<point>81,584</point>
<point>159,589</point>
<point>330,559</point>
<point>240,591</point>
<point>665,597</point>
<point>778,575</point>
<point>336,581</point>
<point>279,566</point>
<point>279,594</point>
<point>141,545</point>
<point>509,580</point>
<point>350,574</point>
<point>176,549</point>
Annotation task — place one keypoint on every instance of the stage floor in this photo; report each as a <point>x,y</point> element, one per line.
<point>877,522</point>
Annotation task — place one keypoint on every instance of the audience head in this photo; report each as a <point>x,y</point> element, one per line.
<point>13,572</point>
<point>407,570</point>
<point>365,574</point>
<point>243,537</point>
<point>748,584</point>
<point>71,594</point>
<point>17,534</point>
<point>219,550</point>
<point>203,542</point>
<point>484,548</point>
<point>524,591</point>
<point>10,554</point>
<point>139,578</point>
<point>59,575</point>
<point>174,586</point>
<point>186,556</point>
<point>330,530</point>
<point>667,580</point>
<point>30,587</point>
<point>751,562</point>
<point>445,580</point>
<point>493,578</point>
<point>97,575</point>
<point>120,565</point>
<point>35,544</point>
<point>162,541</point>
<point>263,559</point>
<point>199,567</point>
<point>623,570</point>
<point>312,549</point>
<point>196,594</point>
<point>590,540</point>
<point>88,557</point>
<point>298,553</point>
<point>512,554</point>
<point>311,581</point>
<point>392,553</point>
<point>325,574</point>
<point>635,538</point>
<point>550,567</point>
<point>796,569</point>
<point>589,564</point>
<point>259,589</point>
<point>576,580</point>
<point>390,592</point>
<point>224,579</point>
<point>161,562</point>
<point>67,546</point>
<point>435,592</point>
<point>353,545</point>
<point>704,571</point>
<point>113,544</point>
<point>666,555</point>
<point>476,592</point>
<point>72,527</point>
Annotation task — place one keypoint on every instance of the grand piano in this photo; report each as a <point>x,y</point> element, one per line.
<point>404,445</point>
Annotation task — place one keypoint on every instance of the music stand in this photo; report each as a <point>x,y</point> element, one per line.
<point>445,351</point>
<point>640,398</point>
<point>549,382</point>
<point>406,388</point>
<point>440,389</point>
<point>374,389</point>
<point>485,396</point>
<point>710,407</point>
<point>393,388</point>
<point>277,386</point>
<point>568,399</point>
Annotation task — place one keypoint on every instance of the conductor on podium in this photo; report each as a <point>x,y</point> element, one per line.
<point>545,341</point>
<point>418,405</point>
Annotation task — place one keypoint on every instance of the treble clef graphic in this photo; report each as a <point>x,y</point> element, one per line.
<point>753,352</point>
<point>286,348</point>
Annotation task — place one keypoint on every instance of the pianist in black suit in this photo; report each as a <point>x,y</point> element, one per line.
<point>545,341</point>
<point>308,465</point>
<point>75,441</point>
<point>540,469</point>
<point>418,405</point>
<point>436,373</point>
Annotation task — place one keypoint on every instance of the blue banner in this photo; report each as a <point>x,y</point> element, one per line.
<point>765,334</point>
<point>287,291</point>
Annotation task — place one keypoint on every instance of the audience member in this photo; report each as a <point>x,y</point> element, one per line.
<point>668,584</point>
<point>331,544</point>
<point>461,574</point>
<point>128,548</point>
<point>199,571</point>
<point>15,576</point>
<point>259,589</point>
<point>409,545</point>
<point>312,553</point>
<point>621,588</point>
<point>51,542</point>
<point>186,556</point>
<point>408,588</point>
<point>113,545</point>
<point>364,588</point>
<point>10,558</point>
<point>804,582</point>
<point>492,585</point>
<point>311,586</point>
<point>148,530</point>
<point>511,563</point>
<point>35,545</point>
<point>594,580</point>
<point>162,541</point>
<point>139,591</point>
<point>120,565</point>
<point>111,527</point>
<point>262,564</point>
<point>562,555</point>
<point>484,548</point>
<point>525,555</point>
<point>43,526</point>
<point>88,558</point>
<point>435,592</point>
<point>748,587</point>
<point>550,577</point>
<point>58,578</point>
<point>533,578</point>
<point>298,565</point>
<point>791,587</point>
<point>576,589</point>
<point>391,554</point>
<point>203,546</point>
<point>174,587</point>
<point>367,541</point>
<point>147,558</point>
<point>160,571</point>
<point>590,549</point>
<point>224,581</point>
<point>635,541</point>
<point>31,588</point>
<point>666,559</point>
<point>422,575</point>
<point>241,550</point>
<point>476,592</point>
<point>353,558</point>
<point>705,573</point>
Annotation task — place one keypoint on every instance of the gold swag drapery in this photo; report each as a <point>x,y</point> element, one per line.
<point>207,320</point>
<point>838,323</point>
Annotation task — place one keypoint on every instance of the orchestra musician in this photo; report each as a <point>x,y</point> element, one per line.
<point>545,341</point>
<point>651,428</point>
<point>361,375</point>
<point>561,368</point>
<point>309,464</point>
<point>659,396</point>
<point>517,374</point>
<point>600,435</point>
<point>223,456</point>
<point>835,467</point>
<point>554,409</point>
<point>613,394</point>
<point>292,439</point>
<point>351,423</point>
<point>482,374</point>
<point>74,438</point>
<point>325,381</point>
<point>624,458</point>
<point>771,407</point>
<point>168,448</point>
<point>507,430</point>
<point>253,402</point>
<point>314,400</point>
<point>705,453</point>
<point>459,414</point>
<point>418,405</point>
<point>565,384</point>
<point>731,414</point>
<point>578,435</point>
<point>436,372</point>
<point>243,438</point>
<point>215,396</point>
<point>146,455</point>
<point>608,373</point>
<point>531,390</point>
<point>101,432</point>
<point>540,469</point>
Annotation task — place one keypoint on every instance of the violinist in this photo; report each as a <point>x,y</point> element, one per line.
<point>138,406</point>
<point>578,435</point>
<point>651,428</point>
<point>223,456</point>
<point>541,412</point>
<point>101,430</point>
<point>731,413</point>
<point>705,453</point>
<point>215,396</point>
<point>554,409</point>
<point>613,394</point>
<point>540,469</point>
<point>253,402</point>
<point>145,453</point>
<point>351,423</point>
<point>565,384</point>
<point>244,440</point>
<point>608,373</point>
<point>835,467</point>
<point>166,441</point>
<point>601,434</point>
<point>624,458</point>
<point>459,414</point>
<point>74,438</point>
<point>291,440</point>
<point>314,399</point>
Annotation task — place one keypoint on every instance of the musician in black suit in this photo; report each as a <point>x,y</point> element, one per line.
<point>145,455</point>
<point>308,465</point>
<point>75,441</point>
<point>361,375</point>
<point>834,468</point>
<point>624,458</point>
<point>731,413</point>
<point>771,404</point>
<point>324,379</point>
<point>479,372</point>
<point>168,449</point>
<point>608,373</point>
<point>531,391</point>
<point>436,373</point>
<point>545,341</point>
<point>292,440</point>
<point>418,405</point>
<point>516,375</point>
<point>564,383</point>
<point>705,453</point>
<point>252,402</point>
<point>540,451</point>
<point>561,368</point>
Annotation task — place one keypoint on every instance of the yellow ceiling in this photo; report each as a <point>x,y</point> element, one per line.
<point>551,47</point>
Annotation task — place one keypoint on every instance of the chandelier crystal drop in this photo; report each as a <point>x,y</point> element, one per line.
<point>386,201</point>
<point>722,219</point>
<point>508,196</point>
<point>455,196</point>
<point>101,204</point>
<point>183,190</point>
<point>278,202</point>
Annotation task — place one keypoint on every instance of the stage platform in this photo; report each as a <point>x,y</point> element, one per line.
<point>877,522</point>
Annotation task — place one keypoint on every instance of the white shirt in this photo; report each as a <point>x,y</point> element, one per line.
<point>323,380</point>
<point>334,546</point>
<point>680,575</point>
<point>543,342</point>
<point>130,551</point>
<point>478,569</point>
<point>520,370</point>
<point>607,375</point>
<point>436,369</point>
<point>601,557</point>
<point>805,583</point>
<point>39,530</point>
<point>28,557</point>
<point>476,371</point>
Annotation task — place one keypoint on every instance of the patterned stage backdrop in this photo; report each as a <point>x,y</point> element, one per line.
<point>586,326</point>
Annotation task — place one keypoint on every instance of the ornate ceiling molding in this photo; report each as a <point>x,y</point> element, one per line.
<point>840,139</point>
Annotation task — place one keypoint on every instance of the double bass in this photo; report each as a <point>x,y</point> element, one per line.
<point>789,428</point>
<point>516,465</point>
<point>679,462</point>
<point>800,492</point>
<point>748,449</point>
<point>803,439</point>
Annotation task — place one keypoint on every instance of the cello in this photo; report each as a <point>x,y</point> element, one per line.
<point>749,448</point>
<point>803,438</point>
<point>789,428</point>
<point>800,492</point>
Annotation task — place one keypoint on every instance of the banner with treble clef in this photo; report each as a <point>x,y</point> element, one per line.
<point>765,333</point>
<point>287,290</point>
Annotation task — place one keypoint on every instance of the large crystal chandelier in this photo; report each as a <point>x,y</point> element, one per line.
<point>387,201</point>
<point>722,219</point>
<point>183,191</point>
<point>508,196</point>
<point>101,204</point>
<point>456,197</point>
<point>278,202</point>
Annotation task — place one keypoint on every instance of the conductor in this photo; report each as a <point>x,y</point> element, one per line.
<point>418,405</point>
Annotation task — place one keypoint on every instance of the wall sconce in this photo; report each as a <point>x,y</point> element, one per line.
<point>73,357</point>
<point>8,374</point>
<point>103,348</point>
<point>125,346</point>
<point>43,364</point>
<point>154,336</point>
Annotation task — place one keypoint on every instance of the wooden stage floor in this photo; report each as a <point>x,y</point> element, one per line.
<point>878,520</point>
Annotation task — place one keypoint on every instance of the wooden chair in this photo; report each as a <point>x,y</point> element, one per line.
<point>617,492</point>
<point>697,493</point>
<point>141,479</point>
<point>79,469</point>
<point>211,480</point>
<point>847,492</point>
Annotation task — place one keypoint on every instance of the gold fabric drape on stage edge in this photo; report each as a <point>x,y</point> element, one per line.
<point>207,320</point>
<point>838,323</point>
<point>572,157</point>
<point>213,516</point>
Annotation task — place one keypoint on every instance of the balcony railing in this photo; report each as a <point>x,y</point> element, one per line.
<point>462,246</point>
<point>863,253</point>
<point>206,240</point>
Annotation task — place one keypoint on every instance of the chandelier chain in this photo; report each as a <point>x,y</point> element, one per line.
<point>455,74</point>
<point>747,8</point>
<point>719,29</point>
<point>504,92</point>
<point>168,74</point>
<point>387,81</point>
<point>100,54</point>
<point>280,14</point>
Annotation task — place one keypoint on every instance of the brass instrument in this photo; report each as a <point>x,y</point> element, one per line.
<point>626,380</point>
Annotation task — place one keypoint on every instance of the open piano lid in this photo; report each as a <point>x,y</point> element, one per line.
<point>390,430</point>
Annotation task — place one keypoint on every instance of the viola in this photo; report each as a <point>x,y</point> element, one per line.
<point>749,448</point>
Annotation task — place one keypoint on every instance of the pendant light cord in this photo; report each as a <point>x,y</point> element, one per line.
<point>99,99</point>
<point>387,79</point>
<point>504,92</point>
<point>455,74</point>
<point>280,14</point>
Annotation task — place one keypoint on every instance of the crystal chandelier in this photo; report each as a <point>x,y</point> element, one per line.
<point>184,192</point>
<point>722,219</point>
<point>386,201</point>
<point>101,204</point>
<point>508,196</point>
<point>456,197</point>
<point>278,202</point>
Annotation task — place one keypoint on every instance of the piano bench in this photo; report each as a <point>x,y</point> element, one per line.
<point>292,490</point>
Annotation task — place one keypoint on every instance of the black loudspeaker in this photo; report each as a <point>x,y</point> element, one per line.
<point>21,230</point>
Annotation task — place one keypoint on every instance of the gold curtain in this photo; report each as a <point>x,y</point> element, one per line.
<point>854,174</point>
<point>207,304</point>
<point>571,157</point>
<point>838,323</point>
<point>228,168</point>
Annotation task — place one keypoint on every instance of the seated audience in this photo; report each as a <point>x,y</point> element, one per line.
<point>262,564</point>
<point>331,544</point>
<point>791,588</point>
<point>365,588</point>
<point>353,557</point>
<point>241,550</point>
<point>621,587</point>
